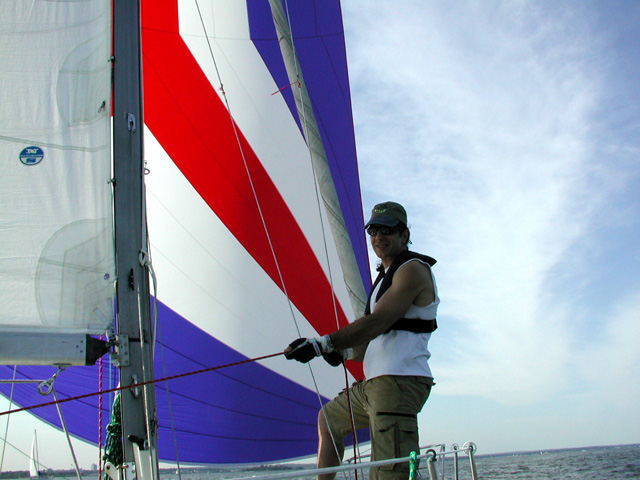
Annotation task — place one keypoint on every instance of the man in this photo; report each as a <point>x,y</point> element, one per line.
<point>391,339</point>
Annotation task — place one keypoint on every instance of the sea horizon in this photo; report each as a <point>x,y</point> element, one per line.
<point>205,469</point>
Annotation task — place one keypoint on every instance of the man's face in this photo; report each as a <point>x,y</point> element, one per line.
<point>387,242</point>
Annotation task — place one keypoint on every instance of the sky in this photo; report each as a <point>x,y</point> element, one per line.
<point>510,132</point>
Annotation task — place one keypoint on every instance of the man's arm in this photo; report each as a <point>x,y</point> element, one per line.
<point>410,281</point>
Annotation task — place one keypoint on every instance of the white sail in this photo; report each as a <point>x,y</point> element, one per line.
<point>56,233</point>
<point>34,461</point>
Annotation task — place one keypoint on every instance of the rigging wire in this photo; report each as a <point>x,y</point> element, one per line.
<point>259,207</point>
<point>144,258</point>
<point>6,430</point>
<point>66,432</point>
<point>305,127</point>
<point>315,181</point>
<point>254,192</point>
<point>246,165</point>
<point>173,427</point>
<point>100,397</point>
<point>22,452</point>
<point>140,384</point>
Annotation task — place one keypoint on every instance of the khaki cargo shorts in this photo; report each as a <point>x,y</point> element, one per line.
<point>388,406</point>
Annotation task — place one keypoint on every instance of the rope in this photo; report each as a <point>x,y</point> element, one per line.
<point>287,86</point>
<point>141,384</point>
<point>168,392</point>
<point>413,465</point>
<point>305,127</point>
<point>247,170</point>
<point>113,452</point>
<point>356,453</point>
<point>100,372</point>
<point>257,200</point>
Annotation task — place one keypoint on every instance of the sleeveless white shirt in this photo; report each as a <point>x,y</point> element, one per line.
<point>400,352</point>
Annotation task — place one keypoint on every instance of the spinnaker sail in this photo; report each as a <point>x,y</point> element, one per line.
<point>240,241</point>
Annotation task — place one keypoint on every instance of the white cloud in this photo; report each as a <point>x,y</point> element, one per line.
<point>477,118</point>
<point>610,365</point>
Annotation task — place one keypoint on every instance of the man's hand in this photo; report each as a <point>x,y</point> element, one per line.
<point>304,349</point>
<point>337,357</point>
<point>334,358</point>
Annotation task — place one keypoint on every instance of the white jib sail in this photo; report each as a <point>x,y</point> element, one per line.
<point>56,234</point>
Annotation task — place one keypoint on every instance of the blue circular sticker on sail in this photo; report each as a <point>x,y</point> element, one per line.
<point>31,155</point>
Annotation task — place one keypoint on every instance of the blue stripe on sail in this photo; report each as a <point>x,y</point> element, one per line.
<point>319,41</point>
<point>81,416</point>
<point>244,413</point>
<point>241,414</point>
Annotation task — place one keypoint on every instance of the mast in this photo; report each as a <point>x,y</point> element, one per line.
<point>139,424</point>
<point>327,188</point>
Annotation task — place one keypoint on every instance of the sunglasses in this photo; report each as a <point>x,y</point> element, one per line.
<point>373,231</point>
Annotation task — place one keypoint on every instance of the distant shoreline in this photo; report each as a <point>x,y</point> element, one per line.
<point>555,450</point>
<point>267,467</point>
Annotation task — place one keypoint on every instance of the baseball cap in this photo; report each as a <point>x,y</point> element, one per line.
<point>388,214</point>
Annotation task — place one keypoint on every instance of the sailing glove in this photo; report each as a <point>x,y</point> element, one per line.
<point>304,349</point>
<point>334,358</point>
<point>337,357</point>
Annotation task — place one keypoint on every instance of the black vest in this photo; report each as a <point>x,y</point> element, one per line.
<point>414,325</point>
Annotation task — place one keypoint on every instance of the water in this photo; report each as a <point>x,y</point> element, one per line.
<point>594,463</point>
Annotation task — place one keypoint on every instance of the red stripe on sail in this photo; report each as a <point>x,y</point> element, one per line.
<point>206,150</point>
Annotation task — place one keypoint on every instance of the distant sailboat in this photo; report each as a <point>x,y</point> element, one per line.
<point>34,460</point>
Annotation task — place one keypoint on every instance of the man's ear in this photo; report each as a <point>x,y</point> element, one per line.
<point>405,236</point>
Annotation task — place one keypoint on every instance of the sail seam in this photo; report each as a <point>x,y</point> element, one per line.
<point>54,145</point>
